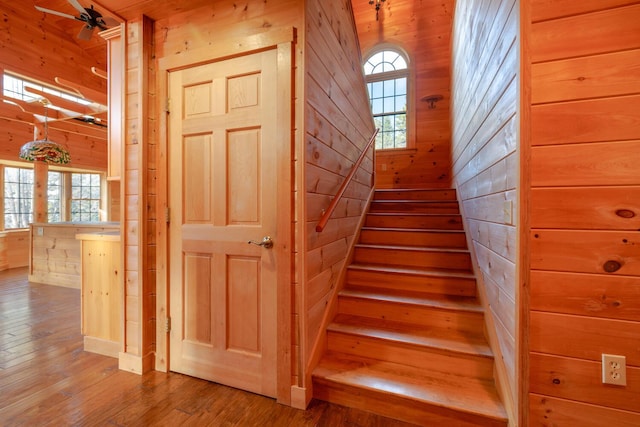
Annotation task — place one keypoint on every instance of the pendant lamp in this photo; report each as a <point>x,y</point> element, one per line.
<point>43,150</point>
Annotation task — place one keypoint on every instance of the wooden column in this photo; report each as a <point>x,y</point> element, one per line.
<point>40,177</point>
<point>139,322</point>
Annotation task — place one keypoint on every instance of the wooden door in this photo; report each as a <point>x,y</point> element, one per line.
<point>222,194</point>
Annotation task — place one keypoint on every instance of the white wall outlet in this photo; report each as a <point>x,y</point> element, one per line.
<point>614,369</point>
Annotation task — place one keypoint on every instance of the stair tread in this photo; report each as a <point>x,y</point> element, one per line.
<point>418,271</point>
<point>434,201</point>
<point>413,230</point>
<point>413,214</point>
<point>446,302</point>
<point>403,333</point>
<point>412,248</point>
<point>464,394</point>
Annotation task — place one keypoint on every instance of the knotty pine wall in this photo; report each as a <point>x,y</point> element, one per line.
<point>585,210</point>
<point>34,46</point>
<point>423,30</point>
<point>337,126</point>
<point>138,216</point>
<point>485,165</point>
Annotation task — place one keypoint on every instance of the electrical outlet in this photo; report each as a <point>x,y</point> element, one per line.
<point>614,369</point>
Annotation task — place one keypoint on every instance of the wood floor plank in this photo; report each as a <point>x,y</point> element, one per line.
<point>47,379</point>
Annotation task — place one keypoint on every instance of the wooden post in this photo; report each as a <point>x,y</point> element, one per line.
<point>40,184</point>
<point>40,177</point>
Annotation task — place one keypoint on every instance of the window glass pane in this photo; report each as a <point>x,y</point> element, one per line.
<point>389,87</point>
<point>368,68</point>
<point>399,63</point>
<point>401,86</point>
<point>389,105</point>
<point>376,90</point>
<point>401,103</point>
<point>376,106</point>
<point>18,195</point>
<point>85,197</point>
<point>54,196</point>
<point>389,56</point>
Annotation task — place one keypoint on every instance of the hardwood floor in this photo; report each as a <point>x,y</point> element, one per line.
<point>47,379</point>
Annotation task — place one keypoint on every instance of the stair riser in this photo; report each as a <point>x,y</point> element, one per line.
<point>442,222</point>
<point>407,282</point>
<point>415,195</point>
<point>424,259</point>
<point>415,207</point>
<point>412,238</point>
<point>396,407</point>
<point>421,357</point>
<point>461,320</point>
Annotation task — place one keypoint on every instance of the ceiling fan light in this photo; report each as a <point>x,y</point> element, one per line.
<point>43,150</point>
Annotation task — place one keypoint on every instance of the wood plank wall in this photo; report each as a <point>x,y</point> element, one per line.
<point>34,46</point>
<point>585,210</point>
<point>139,216</point>
<point>337,126</point>
<point>485,164</point>
<point>423,30</point>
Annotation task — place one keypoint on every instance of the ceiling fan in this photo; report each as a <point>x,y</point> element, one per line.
<point>91,18</point>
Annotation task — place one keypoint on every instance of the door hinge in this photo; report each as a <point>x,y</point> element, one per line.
<point>167,214</point>
<point>167,324</point>
<point>168,106</point>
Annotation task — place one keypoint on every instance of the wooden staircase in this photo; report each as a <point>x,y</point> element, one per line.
<point>407,341</point>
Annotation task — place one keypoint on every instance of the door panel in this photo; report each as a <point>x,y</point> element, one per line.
<point>222,193</point>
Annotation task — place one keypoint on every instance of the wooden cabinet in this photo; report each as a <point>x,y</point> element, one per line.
<point>101,292</point>
<point>52,251</point>
<point>4,263</point>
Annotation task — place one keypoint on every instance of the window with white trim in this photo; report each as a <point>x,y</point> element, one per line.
<point>18,198</point>
<point>387,76</point>
<point>55,196</point>
<point>85,197</point>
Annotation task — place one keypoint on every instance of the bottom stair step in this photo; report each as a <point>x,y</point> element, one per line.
<point>408,394</point>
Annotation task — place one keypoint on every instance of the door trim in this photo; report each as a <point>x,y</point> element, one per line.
<point>282,40</point>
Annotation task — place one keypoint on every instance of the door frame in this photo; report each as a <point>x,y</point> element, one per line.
<point>282,40</point>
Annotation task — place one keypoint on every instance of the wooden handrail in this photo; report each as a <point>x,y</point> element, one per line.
<point>332,206</point>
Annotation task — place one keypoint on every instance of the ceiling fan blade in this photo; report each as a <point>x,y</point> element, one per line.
<point>109,21</point>
<point>85,33</point>
<point>55,12</point>
<point>77,6</point>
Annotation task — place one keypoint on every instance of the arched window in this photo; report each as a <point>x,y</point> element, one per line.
<point>387,77</point>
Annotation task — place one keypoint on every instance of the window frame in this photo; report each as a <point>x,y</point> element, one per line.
<point>73,199</point>
<point>65,214</point>
<point>4,198</point>
<point>408,73</point>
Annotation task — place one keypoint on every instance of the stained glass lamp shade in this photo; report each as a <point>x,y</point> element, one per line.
<point>43,150</point>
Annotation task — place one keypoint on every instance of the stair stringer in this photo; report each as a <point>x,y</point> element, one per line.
<point>320,344</point>
<point>499,367</point>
